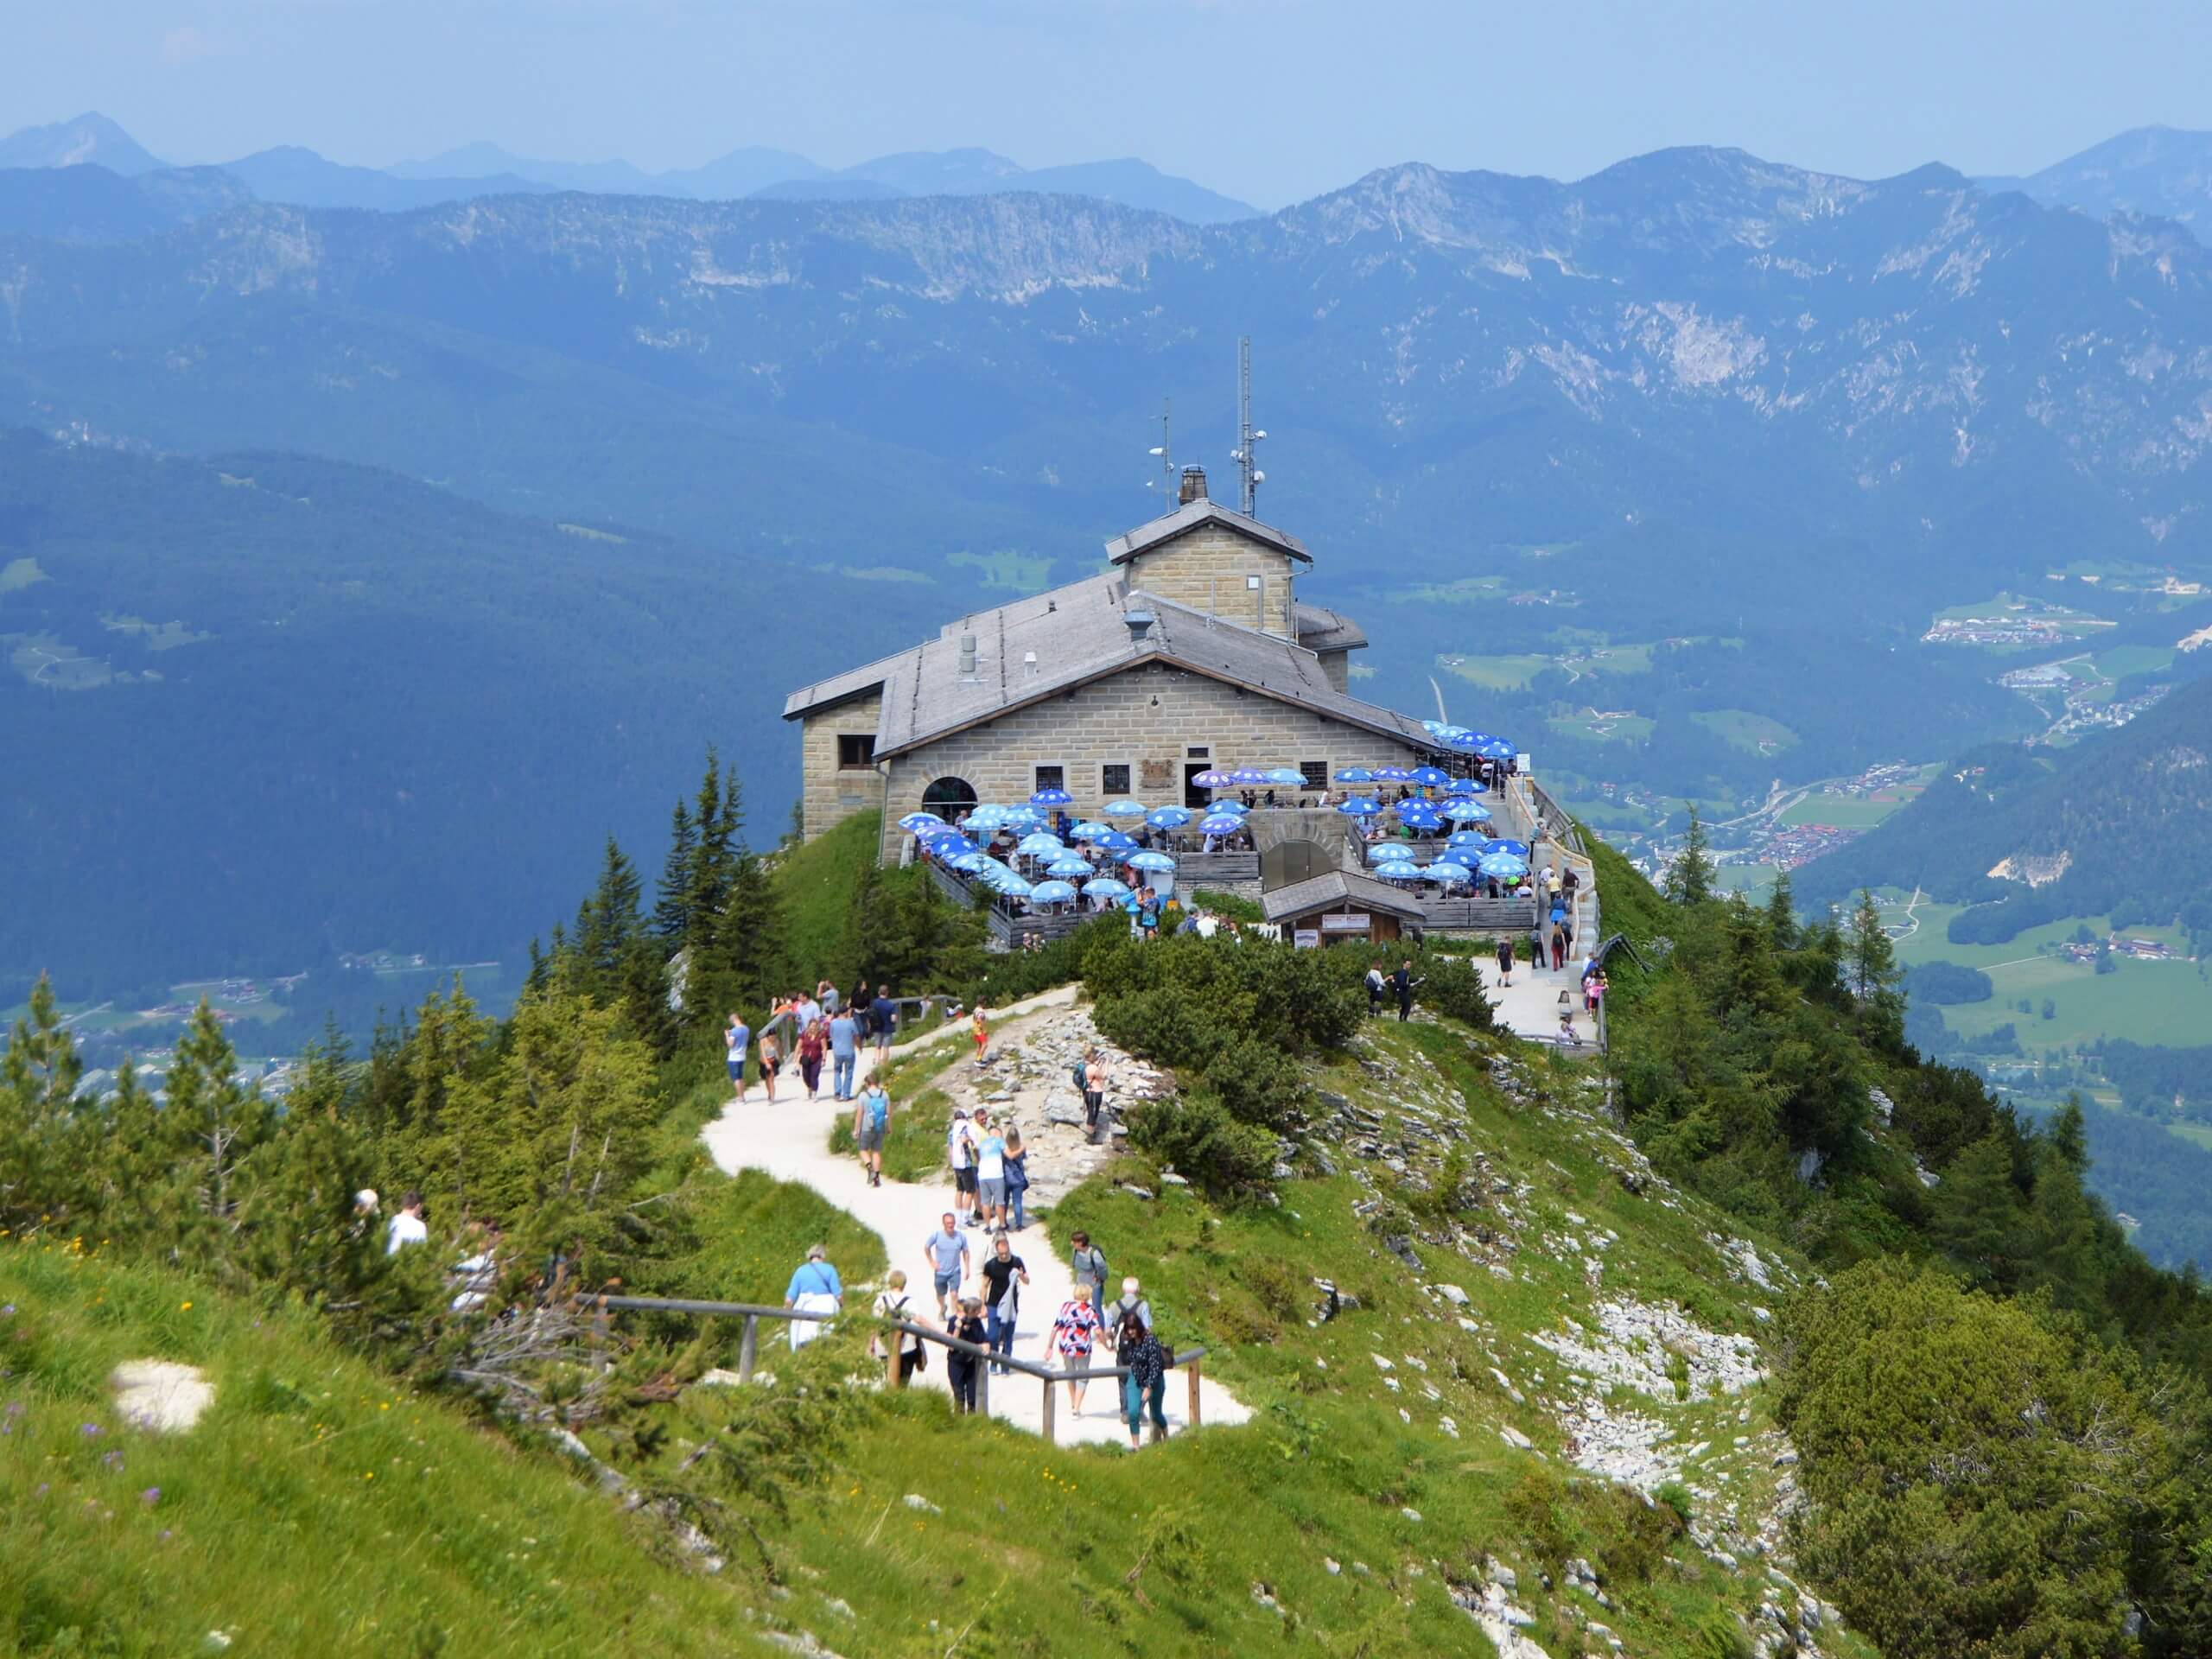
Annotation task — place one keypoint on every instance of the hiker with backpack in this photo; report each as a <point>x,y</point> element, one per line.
<point>890,1305</point>
<point>960,1151</point>
<point>1505,960</point>
<point>1129,1305</point>
<point>871,1123</point>
<point>1374,984</point>
<point>1146,1382</point>
<point>1088,1264</point>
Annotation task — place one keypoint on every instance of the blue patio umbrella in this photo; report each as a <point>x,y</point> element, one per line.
<point>1498,749</point>
<point>1220,824</point>
<point>1070,868</point>
<point>1152,861</point>
<point>1388,852</point>
<point>1235,809</point>
<point>1472,840</point>
<point>1022,817</point>
<point>949,847</point>
<point>1010,884</point>
<point>1104,888</point>
<point>968,863</point>
<point>1125,808</point>
<point>1399,872</point>
<point>1460,810</point>
<point>1038,845</point>
<point>1466,786</point>
<point>1051,797</point>
<point>1116,842</point>
<point>1354,775</point>
<point>1212,778</point>
<point>1052,893</point>
<point>1506,867</point>
<point>1247,777</point>
<point>988,817</point>
<point>1447,873</point>
<point>1360,807</point>
<point>1393,775</point>
<point>1506,844</point>
<point>1092,828</point>
<point>1290,775</point>
<point>1468,742</point>
<point>1419,815</point>
<point>1435,727</point>
<point>1431,777</point>
<point>915,822</point>
<point>1169,818</point>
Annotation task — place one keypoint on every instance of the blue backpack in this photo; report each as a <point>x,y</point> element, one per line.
<point>879,1109</point>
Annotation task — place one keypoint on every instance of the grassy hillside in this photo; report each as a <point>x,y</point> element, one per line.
<point>317,1507</point>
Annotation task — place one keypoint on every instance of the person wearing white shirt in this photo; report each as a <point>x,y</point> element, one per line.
<point>407,1227</point>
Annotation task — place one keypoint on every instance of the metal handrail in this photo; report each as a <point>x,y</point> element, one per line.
<point>1188,1361</point>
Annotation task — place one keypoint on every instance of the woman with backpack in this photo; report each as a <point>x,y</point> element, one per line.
<point>871,1123</point>
<point>1505,960</point>
<point>813,1044</point>
<point>1146,1382</point>
<point>1096,1075</point>
<point>890,1305</point>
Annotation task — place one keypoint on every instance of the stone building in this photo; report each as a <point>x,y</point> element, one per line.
<point>1192,650</point>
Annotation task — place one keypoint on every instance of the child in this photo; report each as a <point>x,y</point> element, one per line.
<point>772,1056</point>
<point>1566,1037</point>
<point>982,1035</point>
<point>962,1370</point>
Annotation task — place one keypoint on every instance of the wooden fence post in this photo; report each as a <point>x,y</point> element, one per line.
<point>984,1387</point>
<point>1048,1411</point>
<point>599,1336</point>
<point>1192,1370</point>
<point>748,1348</point>
<point>894,1373</point>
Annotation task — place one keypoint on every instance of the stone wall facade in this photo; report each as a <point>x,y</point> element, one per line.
<point>1336,668</point>
<point>1153,719</point>
<point>1213,569</point>
<point>831,793</point>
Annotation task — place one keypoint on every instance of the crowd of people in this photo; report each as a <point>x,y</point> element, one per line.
<point>812,1029</point>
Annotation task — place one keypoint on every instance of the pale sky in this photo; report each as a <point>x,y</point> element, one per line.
<point>1271,101</point>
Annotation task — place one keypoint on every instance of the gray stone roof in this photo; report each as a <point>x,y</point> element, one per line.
<point>1078,633</point>
<point>1193,515</point>
<point>1335,887</point>
<point>1322,629</point>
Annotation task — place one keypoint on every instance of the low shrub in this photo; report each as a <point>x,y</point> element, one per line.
<point>1197,1135</point>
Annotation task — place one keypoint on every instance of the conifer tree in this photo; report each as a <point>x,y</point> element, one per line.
<point>211,1124</point>
<point>1781,913</point>
<point>306,1235</point>
<point>1689,878</point>
<point>40,1072</point>
<point>670,913</point>
<point>609,925</point>
<point>1871,962</point>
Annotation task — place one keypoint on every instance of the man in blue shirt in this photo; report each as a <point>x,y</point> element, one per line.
<point>844,1049</point>
<point>882,1015</point>
<point>814,1289</point>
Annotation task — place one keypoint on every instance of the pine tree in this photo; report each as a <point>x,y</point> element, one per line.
<point>212,1123</point>
<point>610,924</point>
<point>1689,878</point>
<point>1781,913</point>
<point>306,1235</point>
<point>40,1072</point>
<point>671,914</point>
<point>1871,962</point>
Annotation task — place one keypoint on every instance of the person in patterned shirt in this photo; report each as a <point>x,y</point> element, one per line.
<point>1075,1333</point>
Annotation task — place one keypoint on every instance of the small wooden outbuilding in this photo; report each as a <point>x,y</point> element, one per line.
<point>1343,905</point>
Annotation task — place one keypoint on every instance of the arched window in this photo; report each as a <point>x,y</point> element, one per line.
<point>949,795</point>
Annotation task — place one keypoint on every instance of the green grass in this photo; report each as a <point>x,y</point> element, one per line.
<point>2198,1134</point>
<point>913,1148</point>
<point>316,1509</point>
<point>881,573</point>
<point>1467,590</point>
<point>2142,1002</point>
<point>1008,567</point>
<point>1494,673</point>
<point>753,1231</point>
<point>2122,661</point>
<point>814,881</point>
<point>1742,729</point>
<point>1848,811</point>
<point>19,573</point>
<point>1621,728</point>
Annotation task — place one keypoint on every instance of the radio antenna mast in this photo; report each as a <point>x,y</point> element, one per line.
<point>1247,458</point>
<point>1166,450</point>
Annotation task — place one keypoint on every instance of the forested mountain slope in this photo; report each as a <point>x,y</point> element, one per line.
<point>2121,823</point>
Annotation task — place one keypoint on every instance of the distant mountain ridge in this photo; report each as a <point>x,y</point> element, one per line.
<point>296,175</point>
<point>2161,171</point>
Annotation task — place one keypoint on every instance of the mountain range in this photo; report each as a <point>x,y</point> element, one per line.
<point>298,176</point>
<point>2153,171</point>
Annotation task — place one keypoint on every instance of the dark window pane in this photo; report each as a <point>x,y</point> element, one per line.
<point>1317,773</point>
<point>1113,780</point>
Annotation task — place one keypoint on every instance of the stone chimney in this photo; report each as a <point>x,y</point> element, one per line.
<point>1194,486</point>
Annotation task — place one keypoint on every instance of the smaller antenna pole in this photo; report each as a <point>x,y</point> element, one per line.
<point>1167,450</point>
<point>1247,463</point>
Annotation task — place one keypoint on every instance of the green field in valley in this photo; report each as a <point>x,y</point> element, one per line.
<point>1495,673</point>
<point>1618,726</point>
<point>1742,729</point>
<point>1849,811</point>
<point>1009,567</point>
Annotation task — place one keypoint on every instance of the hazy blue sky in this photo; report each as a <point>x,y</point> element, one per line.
<point>1268,99</point>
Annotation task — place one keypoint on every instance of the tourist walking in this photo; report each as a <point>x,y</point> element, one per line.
<point>1146,1382</point>
<point>891,1306</point>
<point>826,994</point>
<point>990,1174</point>
<point>960,1141</point>
<point>813,1044</point>
<point>1088,1264</point>
<point>1002,1269</point>
<point>1375,983</point>
<point>1505,960</point>
<point>1074,1333</point>
<point>882,1016</point>
<point>814,1289</point>
<point>947,1249</point>
<point>980,1032</point>
<point>871,1123</point>
<point>844,1049</point>
<point>772,1055</point>
<point>736,1041</point>
<point>963,1371</point>
<point>1100,1073</point>
<point>1017,1177</point>
<point>1129,1305</point>
<point>1401,985</point>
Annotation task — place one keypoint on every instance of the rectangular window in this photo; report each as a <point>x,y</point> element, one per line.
<point>1051,778</point>
<point>855,752</point>
<point>1198,751</point>
<point>1113,780</point>
<point>1317,773</point>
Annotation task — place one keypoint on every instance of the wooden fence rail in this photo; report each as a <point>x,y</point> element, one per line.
<point>1189,1361</point>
